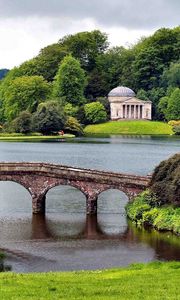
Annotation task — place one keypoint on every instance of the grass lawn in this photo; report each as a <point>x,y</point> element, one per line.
<point>24,138</point>
<point>152,281</point>
<point>129,127</point>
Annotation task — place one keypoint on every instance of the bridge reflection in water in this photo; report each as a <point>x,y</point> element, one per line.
<point>160,242</point>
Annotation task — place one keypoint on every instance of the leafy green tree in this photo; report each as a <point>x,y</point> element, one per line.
<point>70,81</point>
<point>173,107</point>
<point>171,76</point>
<point>162,105</point>
<point>23,123</point>
<point>72,126</point>
<point>70,110</point>
<point>147,69</point>
<point>48,118</point>
<point>95,113</point>
<point>86,46</point>
<point>24,93</point>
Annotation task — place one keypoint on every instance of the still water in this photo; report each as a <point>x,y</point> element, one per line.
<point>65,239</point>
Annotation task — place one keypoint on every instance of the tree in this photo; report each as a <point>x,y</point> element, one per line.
<point>95,113</point>
<point>48,118</point>
<point>70,81</point>
<point>171,76</point>
<point>23,123</point>
<point>72,126</point>
<point>165,181</point>
<point>170,105</point>
<point>147,68</point>
<point>24,93</point>
<point>86,46</point>
<point>173,107</point>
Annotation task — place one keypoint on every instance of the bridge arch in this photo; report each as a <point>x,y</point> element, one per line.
<point>14,198</point>
<point>69,198</point>
<point>17,181</point>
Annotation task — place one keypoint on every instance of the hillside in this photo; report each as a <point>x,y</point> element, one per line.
<point>129,127</point>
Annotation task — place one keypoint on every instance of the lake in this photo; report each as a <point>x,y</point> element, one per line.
<point>65,239</point>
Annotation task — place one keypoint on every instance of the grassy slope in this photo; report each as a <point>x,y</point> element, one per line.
<point>152,281</point>
<point>10,137</point>
<point>129,127</point>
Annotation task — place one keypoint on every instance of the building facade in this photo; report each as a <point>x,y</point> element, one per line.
<point>125,105</point>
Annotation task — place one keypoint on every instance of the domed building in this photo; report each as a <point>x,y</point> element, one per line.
<point>125,105</point>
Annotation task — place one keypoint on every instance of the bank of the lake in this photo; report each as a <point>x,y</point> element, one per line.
<point>39,138</point>
<point>156,280</point>
<point>166,217</point>
<point>136,127</point>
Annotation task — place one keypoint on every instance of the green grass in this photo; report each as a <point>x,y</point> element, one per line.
<point>18,137</point>
<point>129,127</point>
<point>152,281</point>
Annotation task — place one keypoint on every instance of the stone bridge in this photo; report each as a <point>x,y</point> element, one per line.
<point>39,178</point>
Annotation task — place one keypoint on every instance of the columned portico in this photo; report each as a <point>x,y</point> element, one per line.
<point>124,105</point>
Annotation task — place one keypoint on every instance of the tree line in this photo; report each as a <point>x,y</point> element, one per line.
<point>68,82</point>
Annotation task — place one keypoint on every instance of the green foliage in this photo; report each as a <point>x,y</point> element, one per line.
<point>70,110</point>
<point>176,129</point>
<point>70,81</point>
<point>48,118</point>
<point>162,218</point>
<point>135,211</point>
<point>86,46</point>
<point>24,93</point>
<point>95,113</point>
<point>173,107</point>
<point>165,182</point>
<point>23,123</point>
<point>171,76</point>
<point>72,126</point>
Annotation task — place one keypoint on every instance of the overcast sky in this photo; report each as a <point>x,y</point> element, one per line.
<point>28,25</point>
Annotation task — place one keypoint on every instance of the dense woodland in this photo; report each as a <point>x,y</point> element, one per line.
<point>67,83</point>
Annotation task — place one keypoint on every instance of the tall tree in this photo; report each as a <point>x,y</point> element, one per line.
<point>24,93</point>
<point>86,46</point>
<point>70,81</point>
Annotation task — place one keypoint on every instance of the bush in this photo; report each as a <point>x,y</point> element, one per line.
<point>176,129</point>
<point>48,118</point>
<point>23,123</point>
<point>95,113</point>
<point>72,126</point>
<point>162,218</point>
<point>136,209</point>
<point>165,182</point>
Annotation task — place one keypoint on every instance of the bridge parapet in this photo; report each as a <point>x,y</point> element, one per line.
<point>38,178</point>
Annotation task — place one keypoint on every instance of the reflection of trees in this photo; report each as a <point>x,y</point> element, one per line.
<point>165,244</point>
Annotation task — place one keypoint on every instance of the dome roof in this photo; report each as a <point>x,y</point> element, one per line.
<point>121,91</point>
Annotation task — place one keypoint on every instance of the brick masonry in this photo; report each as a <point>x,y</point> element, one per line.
<point>39,178</point>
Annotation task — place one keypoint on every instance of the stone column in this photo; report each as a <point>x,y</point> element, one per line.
<point>91,204</point>
<point>38,204</point>
<point>125,111</point>
<point>138,111</point>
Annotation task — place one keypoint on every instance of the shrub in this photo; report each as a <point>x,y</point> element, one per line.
<point>136,209</point>
<point>95,113</point>
<point>72,126</point>
<point>165,182</point>
<point>23,123</point>
<point>176,129</point>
